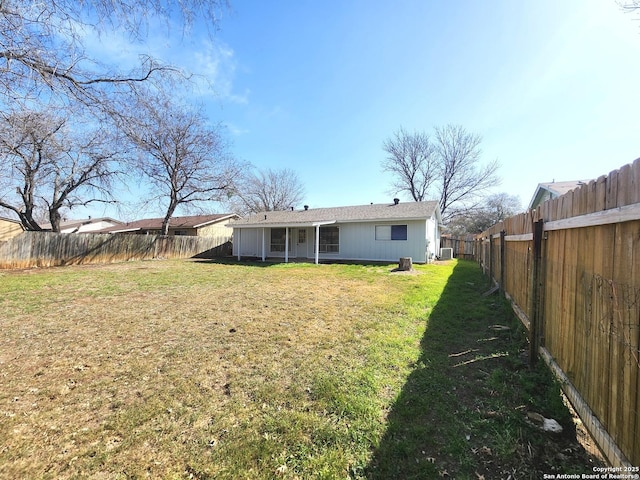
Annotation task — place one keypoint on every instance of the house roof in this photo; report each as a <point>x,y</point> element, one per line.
<point>555,188</point>
<point>326,216</point>
<point>77,224</point>
<point>193,221</point>
<point>10,220</point>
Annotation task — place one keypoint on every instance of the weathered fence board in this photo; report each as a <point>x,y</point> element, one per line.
<point>588,302</point>
<point>462,247</point>
<point>48,249</point>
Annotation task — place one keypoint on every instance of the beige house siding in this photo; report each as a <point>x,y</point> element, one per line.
<point>216,230</point>
<point>191,232</point>
<point>9,229</point>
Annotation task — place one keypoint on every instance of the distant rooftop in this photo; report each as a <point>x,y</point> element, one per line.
<point>548,190</point>
<point>193,221</point>
<point>82,224</point>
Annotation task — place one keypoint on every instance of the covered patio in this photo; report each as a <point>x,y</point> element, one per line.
<point>287,228</point>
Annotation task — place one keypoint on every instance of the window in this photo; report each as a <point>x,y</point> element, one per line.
<point>398,232</point>
<point>391,232</point>
<point>278,239</point>
<point>302,236</point>
<point>329,240</point>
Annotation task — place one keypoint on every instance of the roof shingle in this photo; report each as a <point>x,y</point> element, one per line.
<point>358,213</point>
<point>193,221</point>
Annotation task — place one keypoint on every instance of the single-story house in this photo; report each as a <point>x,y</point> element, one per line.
<point>195,225</point>
<point>550,190</point>
<point>89,225</point>
<point>9,228</point>
<point>375,232</point>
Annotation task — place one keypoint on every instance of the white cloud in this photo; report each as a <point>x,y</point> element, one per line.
<point>212,62</point>
<point>235,130</point>
<point>215,64</point>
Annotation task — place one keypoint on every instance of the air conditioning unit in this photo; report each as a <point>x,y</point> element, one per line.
<point>446,253</point>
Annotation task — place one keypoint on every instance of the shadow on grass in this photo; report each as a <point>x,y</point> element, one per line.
<point>462,411</point>
<point>423,418</point>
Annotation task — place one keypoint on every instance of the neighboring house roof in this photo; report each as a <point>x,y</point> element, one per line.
<point>194,221</point>
<point>546,191</point>
<point>327,216</point>
<point>10,220</point>
<point>87,225</point>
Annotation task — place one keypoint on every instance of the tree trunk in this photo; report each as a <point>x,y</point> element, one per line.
<point>406,264</point>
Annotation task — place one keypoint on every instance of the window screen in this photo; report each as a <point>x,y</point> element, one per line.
<point>329,240</point>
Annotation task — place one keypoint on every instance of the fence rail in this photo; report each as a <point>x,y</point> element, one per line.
<point>571,269</point>
<point>48,249</point>
<point>462,247</point>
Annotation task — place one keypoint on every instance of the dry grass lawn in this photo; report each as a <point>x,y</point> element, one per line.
<point>179,369</point>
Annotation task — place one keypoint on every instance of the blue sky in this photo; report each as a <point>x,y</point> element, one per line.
<point>551,87</point>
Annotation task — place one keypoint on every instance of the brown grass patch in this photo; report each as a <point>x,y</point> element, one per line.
<point>147,368</point>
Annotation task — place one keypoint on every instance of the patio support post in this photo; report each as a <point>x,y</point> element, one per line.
<point>286,244</point>
<point>264,257</point>
<point>239,247</point>
<point>317,243</point>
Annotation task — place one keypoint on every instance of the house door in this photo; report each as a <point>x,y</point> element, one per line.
<point>301,242</point>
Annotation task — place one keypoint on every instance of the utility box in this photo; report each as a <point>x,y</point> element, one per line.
<point>446,253</point>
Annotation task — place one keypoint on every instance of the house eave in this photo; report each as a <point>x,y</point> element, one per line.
<point>283,224</point>
<point>327,222</point>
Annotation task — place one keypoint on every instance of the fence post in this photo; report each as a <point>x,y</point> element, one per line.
<point>490,260</point>
<point>536,297</point>
<point>503,234</point>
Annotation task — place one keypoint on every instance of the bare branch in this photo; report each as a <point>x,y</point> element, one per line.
<point>267,190</point>
<point>42,43</point>
<point>184,158</point>
<point>462,180</point>
<point>50,167</point>
<point>411,159</point>
<point>446,167</point>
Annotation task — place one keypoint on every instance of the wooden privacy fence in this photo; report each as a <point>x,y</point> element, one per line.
<point>571,269</point>
<point>462,247</point>
<point>48,249</point>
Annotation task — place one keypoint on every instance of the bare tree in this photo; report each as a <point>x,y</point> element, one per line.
<point>185,159</point>
<point>267,190</point>
<point>445,167</point>
<point>46,168</point>
<point>42,44</point>
<point>462,179</point>
<point>492,210</point>
<point>629,5</point>
<point>412,161</point>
